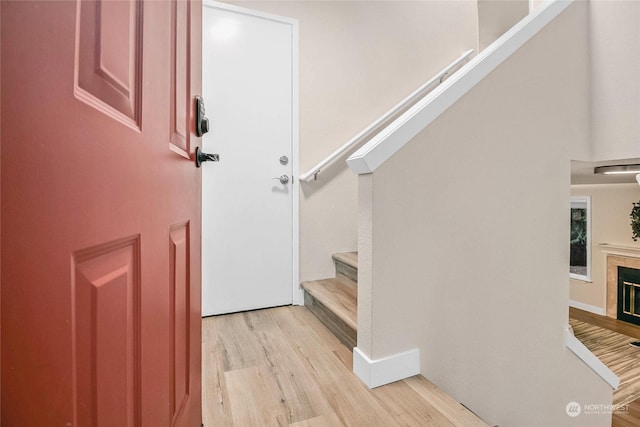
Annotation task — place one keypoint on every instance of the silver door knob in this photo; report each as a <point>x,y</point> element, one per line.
<point>283,179</point>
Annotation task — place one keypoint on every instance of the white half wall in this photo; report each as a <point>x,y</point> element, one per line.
<point>469,239</point>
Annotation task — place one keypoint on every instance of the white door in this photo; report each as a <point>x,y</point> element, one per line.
<point>249,237</point>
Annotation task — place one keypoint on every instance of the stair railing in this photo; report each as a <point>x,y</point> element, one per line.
<point>312,174</point>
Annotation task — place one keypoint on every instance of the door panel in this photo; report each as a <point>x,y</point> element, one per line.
<point>248,85</point>
<point>101,299</point>
<point>106,321</point>
<point>179,237</point>
<point>109,57</point>
<point>180,76</point>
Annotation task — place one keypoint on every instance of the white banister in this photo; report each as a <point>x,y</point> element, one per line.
<point>391,139</point>
<point>362,135</point>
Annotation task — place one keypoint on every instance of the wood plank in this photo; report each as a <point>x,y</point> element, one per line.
<point>258,405</point>
<point>310,332</point>
<point>609,323</point>
<point>350,399</point>
<point>347,258</point>
<point>408,407</point>
<point>334,302</point>
<point>215,397</point>
<point>443,403</point>
<point>327,420</point>
<point>283,367</point>
<point>344,332</point>
<point>346,265</point>
<point>629,417</point>
<point>339,296</point>
<point>296,386</point>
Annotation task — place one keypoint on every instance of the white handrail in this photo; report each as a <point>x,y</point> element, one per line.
<point>390,140</point>
<point>437,79</point>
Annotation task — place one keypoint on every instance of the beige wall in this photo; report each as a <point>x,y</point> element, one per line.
<point>610,208</point>
<point>615,86</point>
<point>357,60</point>
<point>495,17</point>
<point>469,230</point>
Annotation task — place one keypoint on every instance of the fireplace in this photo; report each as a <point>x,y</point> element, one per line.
<point>629,295</point>
<point>616,257</point>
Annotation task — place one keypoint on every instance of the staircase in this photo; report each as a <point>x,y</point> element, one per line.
<point>334,301</point>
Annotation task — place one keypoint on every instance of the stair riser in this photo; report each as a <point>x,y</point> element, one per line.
<point>347,335</point>
<point>347,271</point>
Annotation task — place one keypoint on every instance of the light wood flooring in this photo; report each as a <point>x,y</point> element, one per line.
<point>282,367</point>
<point>615,352</point>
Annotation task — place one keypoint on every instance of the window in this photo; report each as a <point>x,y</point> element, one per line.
<point>580,240</point>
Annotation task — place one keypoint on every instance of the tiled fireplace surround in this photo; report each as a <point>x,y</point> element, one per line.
<point>617,256</point>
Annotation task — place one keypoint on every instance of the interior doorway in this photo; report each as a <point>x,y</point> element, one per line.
<point>250,197</point>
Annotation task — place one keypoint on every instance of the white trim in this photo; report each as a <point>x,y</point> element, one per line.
<point>297,294</point>
<point>586,200</point>
<point>375,373</point>
<point>620,250</point>
<point>384,145</point>
<point>580,278</point>
<point>252,12</point>
<point>587,307</point>
<point>590,359</point>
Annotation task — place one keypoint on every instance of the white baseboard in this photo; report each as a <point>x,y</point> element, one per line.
<point>375,373</point>
<point>586,307</point>
<point>298,297</point>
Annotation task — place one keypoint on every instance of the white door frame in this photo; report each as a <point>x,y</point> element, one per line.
<point>296,292</point>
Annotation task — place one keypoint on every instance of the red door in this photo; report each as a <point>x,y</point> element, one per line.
<point>100,214</point>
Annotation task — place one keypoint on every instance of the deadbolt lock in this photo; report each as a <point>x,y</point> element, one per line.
<point>202,123</point>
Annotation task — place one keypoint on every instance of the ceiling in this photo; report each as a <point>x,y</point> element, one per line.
<point>582,172</point>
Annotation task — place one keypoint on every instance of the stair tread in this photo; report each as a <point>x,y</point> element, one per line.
<point>338,295</point>
<point>348,258</point>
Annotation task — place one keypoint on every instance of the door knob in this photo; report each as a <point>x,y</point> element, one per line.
<point>283,179</point>
<point>205,157</point>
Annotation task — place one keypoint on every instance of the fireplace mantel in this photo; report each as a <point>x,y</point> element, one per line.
<point>628,251</point>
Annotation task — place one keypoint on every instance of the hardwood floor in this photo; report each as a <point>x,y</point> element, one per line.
<point>282,367</point>
<point>630,417</point>
<point>615,325</point>
<point>613,349</point>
